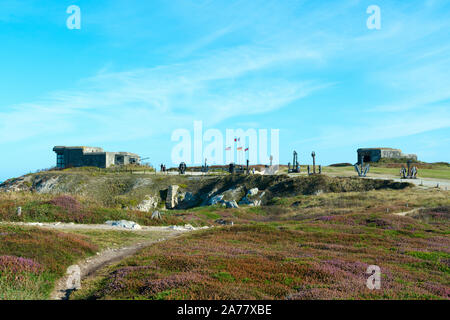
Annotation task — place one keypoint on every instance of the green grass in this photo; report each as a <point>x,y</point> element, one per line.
<point>104,239</point>
<point>437,172</point>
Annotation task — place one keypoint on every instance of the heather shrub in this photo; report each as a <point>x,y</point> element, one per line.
<point>16,265</point>
<point>68,203</point>
<point>32,259</point>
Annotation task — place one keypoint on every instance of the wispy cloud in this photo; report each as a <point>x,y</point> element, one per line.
<point>167,63</point>
<point>147,101</point>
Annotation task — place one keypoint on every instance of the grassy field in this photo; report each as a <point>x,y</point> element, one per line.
<point>44,207</point>
<point>303,247</point>
<point>313,239</point>
<point>321,258</point>
<point>32,259</point>
<point>438,171</point>
<point>49,208</point>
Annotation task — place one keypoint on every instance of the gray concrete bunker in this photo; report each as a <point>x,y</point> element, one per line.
<point>376,154</point>
<point>67,157</point>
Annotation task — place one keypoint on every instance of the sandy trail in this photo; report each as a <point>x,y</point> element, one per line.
<point>405,213</point>
<point>76,226</point>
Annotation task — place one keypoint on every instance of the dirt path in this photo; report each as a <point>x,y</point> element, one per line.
<point>76,226</point>
<point>91,265</point>
<point>407,212</point>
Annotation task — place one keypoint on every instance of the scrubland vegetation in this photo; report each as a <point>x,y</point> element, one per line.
<point>313,238</point>
<point>32,259</point>
<point>321,258</point>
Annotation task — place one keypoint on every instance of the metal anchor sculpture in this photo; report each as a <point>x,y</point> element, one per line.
<point>295,165</point>
<point>410,173</point>
<point>362,169</point>
<point>313,155</point>
<point>205,167</point>
<point>182,168</point>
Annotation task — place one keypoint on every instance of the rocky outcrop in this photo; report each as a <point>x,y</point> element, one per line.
<point>186,200</point>
<point>44,185</point>
<point>252,198</point>
<point>215,200</point>
<point>16,185</point>
<point>148,204</point>
<point>230,204</point>
<point>234,194</point>
<point>172,198</point>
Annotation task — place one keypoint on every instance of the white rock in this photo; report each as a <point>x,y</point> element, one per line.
<point>124,224</point>
<point>253,192</point>
<point>215,200</point>
<point>172,199</point>
<point>35,224</point>
<point>147,204</point>
<point>231,204</point>
<point>156,215</point>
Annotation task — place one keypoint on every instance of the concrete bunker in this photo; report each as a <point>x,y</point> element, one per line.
<point>67,157</point>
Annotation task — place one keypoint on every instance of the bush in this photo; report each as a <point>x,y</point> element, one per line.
<point>68,203</point>
<point>345,164</point>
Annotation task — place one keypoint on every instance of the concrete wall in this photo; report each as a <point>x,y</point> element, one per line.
<point>96,159</point>
<point>392,154</point>
<point>375,154</point>
<point>369,155</point>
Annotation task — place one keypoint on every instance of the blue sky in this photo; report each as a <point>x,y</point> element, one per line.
<point>137,70</point>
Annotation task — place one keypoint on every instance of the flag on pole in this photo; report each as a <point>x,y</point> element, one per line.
<point>228,148</point>
<point>240,148</point>
<point>246,149</point>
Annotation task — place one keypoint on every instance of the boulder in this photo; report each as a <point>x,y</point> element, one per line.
<point>172,199</point>
<point>124,224</point>
<point>147,204</point>
<point>252,199</point>
<point>224,222</point>
<point>252,192</point>
<point>156,215</point>
<point>215,200</point>
<point>255,203</point>
<point>234,194</point>
<point>230,204</point>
